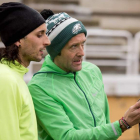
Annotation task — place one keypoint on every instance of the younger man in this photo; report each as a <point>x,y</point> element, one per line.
<point>23,32</point>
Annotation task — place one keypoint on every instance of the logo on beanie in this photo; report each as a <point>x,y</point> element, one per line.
<point>77,27</point>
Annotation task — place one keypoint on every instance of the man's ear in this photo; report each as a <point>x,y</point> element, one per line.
<point>18,43</point>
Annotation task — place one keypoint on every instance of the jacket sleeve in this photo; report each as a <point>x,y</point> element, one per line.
<point>54,120</point>
<point>9,110</point>
<point>107,110</point>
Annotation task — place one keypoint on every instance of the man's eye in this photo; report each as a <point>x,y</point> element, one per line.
<point>39,35</point>
<point>74,46</point>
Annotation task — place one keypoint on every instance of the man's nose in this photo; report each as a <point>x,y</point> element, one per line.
<point>81,51</point>
<point>47,42</point>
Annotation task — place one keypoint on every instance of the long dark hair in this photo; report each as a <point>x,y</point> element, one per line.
<point>10,53</point>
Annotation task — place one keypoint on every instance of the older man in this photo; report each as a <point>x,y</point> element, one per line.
<point>68,94</point>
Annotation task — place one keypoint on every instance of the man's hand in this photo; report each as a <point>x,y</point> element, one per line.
<point>132,115</point>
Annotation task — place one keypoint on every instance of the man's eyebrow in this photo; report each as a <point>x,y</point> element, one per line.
<point>41,31</point>
<point>78,42</point>
<point>82,42</point>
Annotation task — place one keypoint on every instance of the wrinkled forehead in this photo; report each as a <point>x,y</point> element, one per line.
<point>78,39</point>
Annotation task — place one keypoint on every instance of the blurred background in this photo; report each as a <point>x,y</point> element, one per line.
<point>113,44</point>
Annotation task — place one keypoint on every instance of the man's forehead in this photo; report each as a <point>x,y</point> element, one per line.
<point>77,39</point>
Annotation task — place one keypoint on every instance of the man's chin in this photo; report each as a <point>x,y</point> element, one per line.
<point>37,59</point>
<point>77,69</point>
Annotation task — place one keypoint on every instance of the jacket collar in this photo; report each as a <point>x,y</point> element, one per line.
<point>20,69</point>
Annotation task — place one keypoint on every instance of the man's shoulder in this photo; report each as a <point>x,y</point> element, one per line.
<point>90,69</point>
<point>6,73</point>
<point>10,76</point>
<point>89,66</point>
<point>38,78</point>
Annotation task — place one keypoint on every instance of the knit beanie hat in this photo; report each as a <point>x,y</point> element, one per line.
<point>60,29</point>
<point>16,21</point>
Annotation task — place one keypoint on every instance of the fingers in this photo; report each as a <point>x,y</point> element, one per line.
<point>137,105</point>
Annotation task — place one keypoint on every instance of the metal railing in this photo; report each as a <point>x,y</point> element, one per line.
<point>117,54</point>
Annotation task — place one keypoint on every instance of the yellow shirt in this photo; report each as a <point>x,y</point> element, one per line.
<point>17,115</point>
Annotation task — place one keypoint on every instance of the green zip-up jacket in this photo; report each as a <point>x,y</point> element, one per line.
<point>17,115</point>
<point>71,106</point>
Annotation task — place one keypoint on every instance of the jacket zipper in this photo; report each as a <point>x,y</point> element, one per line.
<point>86,99</point>
<point>79,88</point>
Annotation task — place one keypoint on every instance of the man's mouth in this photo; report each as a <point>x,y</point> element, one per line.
<point>77,61</point>
<point>41,51</point>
